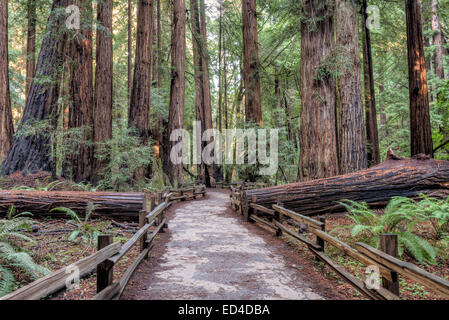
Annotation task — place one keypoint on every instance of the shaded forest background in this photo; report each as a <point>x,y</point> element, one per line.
<point>279,45</point>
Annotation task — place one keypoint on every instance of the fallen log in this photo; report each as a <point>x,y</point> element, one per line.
<point>396,176</point>
<point>39,203</point>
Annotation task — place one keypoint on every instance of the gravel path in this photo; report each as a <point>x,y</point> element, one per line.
<point>211,254</point>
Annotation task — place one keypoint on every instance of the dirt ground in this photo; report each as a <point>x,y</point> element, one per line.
<point>208,252</point>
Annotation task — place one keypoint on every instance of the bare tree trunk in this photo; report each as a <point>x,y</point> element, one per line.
<point>420,130</point>
<point>220,62</point>
<point>6,125</point>
<point>210,169</point>
<point>31,46</point>
<point>437,41</point>
<point>318,143</point>
<point>139,110</point>
<point>372,131</point>
<point>253,105</point>
<point>177,87</point>
<point>352,143</point>
<point>103,82</point>
<point>81,111</point>
<point>32,152</point>
<point>130,48</point>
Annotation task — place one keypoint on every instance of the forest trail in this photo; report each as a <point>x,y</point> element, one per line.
<point>208,252</point>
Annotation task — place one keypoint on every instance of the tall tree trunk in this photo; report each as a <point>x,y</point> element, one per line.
<point>6,125</point>
<point>253,105</point>
<point>372,131</point>
<point>210,169</point>
<point>420,130</point>
<point>159,44</point>
<point>437,41</point>
<point>220,62</point>
<point>139,110</point>
<point>32,152</point>
<point>177,87</point>
<point>352,143</point>
<point>198,68</point>
<point>31,45</point>
<point>130,48</point>
<point>103,82</point>
<point>81,112</point>
<point>318,143</point>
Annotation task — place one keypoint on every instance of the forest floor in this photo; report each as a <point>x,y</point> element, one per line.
<point>204,237</point>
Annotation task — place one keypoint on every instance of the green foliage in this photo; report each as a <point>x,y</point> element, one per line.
<point>12,257</point>
<point>124,154</point>
<point>85,232</point>
<point>399,218</point>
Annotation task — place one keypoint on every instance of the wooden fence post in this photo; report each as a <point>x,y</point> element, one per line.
<point>389,245</point>
<point>142,222</point>
<point>277,217</point>
<point>106,268</point>
<point>320,241</point>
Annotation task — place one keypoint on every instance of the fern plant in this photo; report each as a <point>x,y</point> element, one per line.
<point>399,218</point>
<point>83,231</point>
<point>11,230</point>
<point>436,211</point>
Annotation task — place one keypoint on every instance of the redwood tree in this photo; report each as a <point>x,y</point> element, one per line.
<point>139,110</point>
<point>437,41</point>
<point>253,106</point>
<point>318,142</point>
<point>103,81</point>
<point>31,45</point>
<point>31,152</point>
<point>81,89</point>
<point>177,86</point>
<point>372,132</point>
<point>6,126</point>
<point>351,138</point>
<point>420,130</point>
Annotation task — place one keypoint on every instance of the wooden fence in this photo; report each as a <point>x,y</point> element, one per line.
<point>151,222</point>
<point>384,260</point>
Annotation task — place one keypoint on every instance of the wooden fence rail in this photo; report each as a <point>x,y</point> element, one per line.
<point>389,266</point>
<point>109,254</point>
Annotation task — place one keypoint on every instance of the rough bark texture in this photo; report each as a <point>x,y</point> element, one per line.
<point>177,87</point>
<point>210,170</point>
<point>130,48</point>
<point>32,153</point>
<point>6,125</point>
<point>318,143</point>
<point>139,111</point>
<point>109,204</point>
<point>420,130</point>
<point>103,82</point>
<point>81,114</point>
<point>437,41</point>
<point>351,140</point>
<point>372,132</point>
<point>253,104</point>
<point>377,185</point>
<point>31,45</point>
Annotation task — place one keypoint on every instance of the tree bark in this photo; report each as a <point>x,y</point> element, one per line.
<point>377,185</point>
<point>372,131</point>
<point>420,129</point>
<point>81,112</point>
<point>318,143</point>
<point>31,45</point>
<point>31,153</point>
<point>437,41</point>
<point>6,125</point>
<point>110,204</point>
<point>103,82</point>
<point>177,87</point>
<point>130,48</point>
<point>139,111</point>
<point>253,104</point>
<point>352,143</point>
